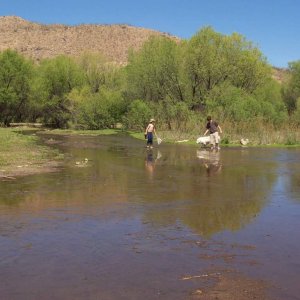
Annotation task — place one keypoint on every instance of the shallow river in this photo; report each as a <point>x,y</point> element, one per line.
<point>117,221</point>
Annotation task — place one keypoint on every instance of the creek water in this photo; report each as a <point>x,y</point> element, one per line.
<point>118,221</point>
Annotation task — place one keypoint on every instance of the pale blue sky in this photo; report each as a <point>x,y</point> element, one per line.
<point>274,26</point>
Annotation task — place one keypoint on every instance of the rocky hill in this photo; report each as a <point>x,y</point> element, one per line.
<point>40,41</point>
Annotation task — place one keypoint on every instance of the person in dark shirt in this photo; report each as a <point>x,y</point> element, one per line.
<point>213,128</point>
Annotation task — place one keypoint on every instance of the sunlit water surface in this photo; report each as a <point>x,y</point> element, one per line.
<point>117,221</point>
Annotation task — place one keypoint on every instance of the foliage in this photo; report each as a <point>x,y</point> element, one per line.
<point>272,106</point>
<point>96,110</point>
<point>15,75</point>
<point>55,79</point>
<point>291,90</point>
<point>227,76</point>
<point>98,71</point>
<point>211,59</point>
<point>295,118</point>
<point>232,103</point>
<point>175,115</point>
<point>138,115</point>
<point>152,73</point>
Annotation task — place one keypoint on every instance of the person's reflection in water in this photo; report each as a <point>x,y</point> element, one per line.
<point>150,161</point>
<point>211,161</point>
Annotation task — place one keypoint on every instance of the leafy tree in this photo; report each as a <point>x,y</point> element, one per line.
<point>152,73</point>
<point>211,59</point>
<point>234,104</point>
<point>296,113</point>
<point>98,71</point>
<point>55,80</point>
<point>231,103</point>
<point>15,75</point>
<point>174,114</point>
<point>96,110</point>
<point>272,104</point>
<point>138,114</point>
<point>250,69</point>
<point>291,90</point>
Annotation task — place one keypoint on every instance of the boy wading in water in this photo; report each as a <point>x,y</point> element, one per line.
<point>213,127</point>
<point>150,130</point>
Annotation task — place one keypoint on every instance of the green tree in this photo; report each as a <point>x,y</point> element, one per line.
<point>54,81</point>
<point>291,89</point>
<point>173,114</point>
<point>211,59</point>
<point>152,72</point>
<point>272,105</point>
<point>99,72</point>
<point>15,75</point>
<point>138,114</point>
<point>296,113</point>
<point>96,110</point>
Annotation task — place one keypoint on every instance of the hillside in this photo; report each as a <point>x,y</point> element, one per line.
<point>40,41</point>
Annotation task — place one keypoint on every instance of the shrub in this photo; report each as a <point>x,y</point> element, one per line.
<point>138,115</point>
<point>100,110</point>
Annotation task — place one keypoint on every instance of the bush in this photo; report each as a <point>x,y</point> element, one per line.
<point>15,75</point>
<point>227,102</point>
<point>97,111</point>
<point>138,115</point>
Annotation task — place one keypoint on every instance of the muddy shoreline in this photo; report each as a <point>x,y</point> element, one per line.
<point>27,169</point>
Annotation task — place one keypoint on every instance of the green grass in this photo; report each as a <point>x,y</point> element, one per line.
<point>81,132</point>
<point>269,138</point>
<point>18,150</point>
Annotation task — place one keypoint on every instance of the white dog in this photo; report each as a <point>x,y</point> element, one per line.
<point>203,140</point>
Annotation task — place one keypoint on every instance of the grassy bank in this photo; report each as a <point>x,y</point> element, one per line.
<point>21,154</point>
<point>81,132</point>
<point>231,136</point>
<point>257,134</point>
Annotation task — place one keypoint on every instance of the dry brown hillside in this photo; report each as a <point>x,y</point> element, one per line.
<point>113,41</point>
<point>43,41</point>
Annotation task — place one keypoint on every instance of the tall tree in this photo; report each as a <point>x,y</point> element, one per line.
<point>55,79</point>
<point>15,75</point>
<point>152,73</point>
<point>98,71</point>
<point>211,59</point>
<point>291,90</point>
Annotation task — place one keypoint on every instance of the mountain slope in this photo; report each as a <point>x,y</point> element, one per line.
<point>40,41</point>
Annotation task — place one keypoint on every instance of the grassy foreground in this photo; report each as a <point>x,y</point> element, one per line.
<point>22,155</point>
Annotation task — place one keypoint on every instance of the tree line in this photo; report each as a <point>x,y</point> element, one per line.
<point>223,75</point>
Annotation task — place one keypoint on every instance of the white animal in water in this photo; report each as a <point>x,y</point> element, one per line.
<point>203,140</point>
<point>244,142</point>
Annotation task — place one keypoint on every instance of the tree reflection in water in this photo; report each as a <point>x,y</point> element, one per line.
<point>207,191</point>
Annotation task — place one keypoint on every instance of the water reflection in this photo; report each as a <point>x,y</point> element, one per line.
<point>288,181</point>
<point>151,161</point>
<point>211,161</point>
<point>104,227</point>
<point>196,190</point>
